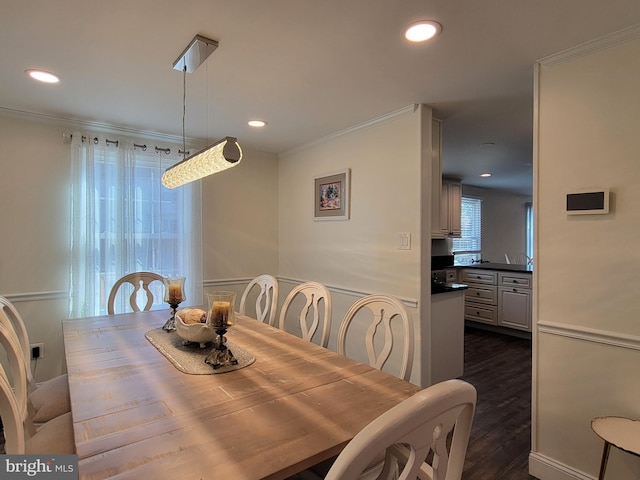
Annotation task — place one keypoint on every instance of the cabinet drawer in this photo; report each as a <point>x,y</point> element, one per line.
<point>488,295</point>
<point>481,313</point>
<point>479,276</point>
<point>521,281</point>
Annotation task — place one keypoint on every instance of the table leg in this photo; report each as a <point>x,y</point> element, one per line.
<point>605,458</point>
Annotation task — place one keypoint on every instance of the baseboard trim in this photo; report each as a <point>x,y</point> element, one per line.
<point>546,468</point>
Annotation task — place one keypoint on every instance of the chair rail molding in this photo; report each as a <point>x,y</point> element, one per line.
<point>613,339</point>
<point>36,296</point>
<point>409,302</point>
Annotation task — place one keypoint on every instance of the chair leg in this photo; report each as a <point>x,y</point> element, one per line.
<point>605,458</point>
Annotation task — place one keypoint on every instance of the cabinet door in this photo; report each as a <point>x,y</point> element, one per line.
<point>436,178</point>
<point>514,308</point>
<point>444,210</point>
<point>455,207</point>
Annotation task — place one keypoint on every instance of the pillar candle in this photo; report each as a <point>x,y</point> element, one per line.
<point>220,314</point>
<point>175,294</point>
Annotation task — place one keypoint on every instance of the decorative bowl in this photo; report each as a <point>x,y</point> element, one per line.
<point>194,332</point>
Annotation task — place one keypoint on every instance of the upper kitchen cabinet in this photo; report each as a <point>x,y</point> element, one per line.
<point>446,194</point>
<point>436,178</point>
<point>450,205</point>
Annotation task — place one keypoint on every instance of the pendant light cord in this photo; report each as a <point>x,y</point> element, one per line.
<point>184,108</point>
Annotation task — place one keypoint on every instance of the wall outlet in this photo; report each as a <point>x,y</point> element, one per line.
<point>37,350</point>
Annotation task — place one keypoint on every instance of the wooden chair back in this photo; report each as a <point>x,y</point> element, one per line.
<point>139,280</point>
<point>267,299</point>
<point>313,292</point>
<point>14,321</point>
<point>17,367</point>
<point>383,309</point>
<point>410,431</point>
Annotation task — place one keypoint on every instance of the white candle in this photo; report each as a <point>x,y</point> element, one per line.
<point>220,314</point>
<point>175,294</point>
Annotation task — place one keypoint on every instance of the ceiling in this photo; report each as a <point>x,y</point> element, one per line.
<point>309,68</point>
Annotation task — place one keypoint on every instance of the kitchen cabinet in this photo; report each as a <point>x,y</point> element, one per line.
<point>446,194</point>
<point>436,177</point>
<point>498,298</point>
<point>481,298</point>
<point>514,301</point>
<point>450,206</point>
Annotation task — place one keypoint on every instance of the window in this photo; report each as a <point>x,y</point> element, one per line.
<point>469,246</point>
<point>123,220</point>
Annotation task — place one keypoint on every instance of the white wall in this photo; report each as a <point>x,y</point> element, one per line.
<point>34,244</point>
<point>240,220</point>
<point>34,254</point>
<point>360,255</point>
<point>587,336</point>
<point>504,225</point>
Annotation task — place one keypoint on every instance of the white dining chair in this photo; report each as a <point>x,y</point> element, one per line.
<point>48,399</point>
<point>410,431</point>
<point>139,281</point>
<point>13,352</point>
<point>314,293</point>
<point>52,438</point>
<point>522,259</point>
<point>266,300</point>
<point>383,309</point>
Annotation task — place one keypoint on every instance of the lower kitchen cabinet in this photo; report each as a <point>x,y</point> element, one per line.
<point>501,299</point>
<point>514,308</point>
<point>481,298</point>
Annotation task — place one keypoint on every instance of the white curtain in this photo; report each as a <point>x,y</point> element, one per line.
<point>123,220</point>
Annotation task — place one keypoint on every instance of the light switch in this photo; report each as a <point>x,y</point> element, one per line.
<point>404,241</point>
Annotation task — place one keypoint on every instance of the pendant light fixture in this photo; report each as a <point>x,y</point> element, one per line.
<point>223,154</point>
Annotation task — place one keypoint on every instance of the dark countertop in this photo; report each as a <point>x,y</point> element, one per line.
<point>447,287</point>
<point>507,267</point>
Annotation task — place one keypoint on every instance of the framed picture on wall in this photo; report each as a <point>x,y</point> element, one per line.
<point>331,196</point>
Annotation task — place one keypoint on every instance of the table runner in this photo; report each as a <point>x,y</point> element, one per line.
<point>190,358</point>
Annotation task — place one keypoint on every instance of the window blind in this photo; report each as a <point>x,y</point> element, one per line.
<point>469,246</point>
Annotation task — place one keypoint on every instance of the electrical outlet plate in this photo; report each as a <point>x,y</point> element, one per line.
<point>404,241</point>
<point>40,347</point>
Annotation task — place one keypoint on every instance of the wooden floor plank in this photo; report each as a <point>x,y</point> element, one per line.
<point>499,366</point>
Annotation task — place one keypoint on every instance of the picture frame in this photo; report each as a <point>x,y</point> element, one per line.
<point>331,195</point>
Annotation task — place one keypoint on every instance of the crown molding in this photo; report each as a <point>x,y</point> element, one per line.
<point>93,126</point>
<point>361,126</point>
<point>607,41</point>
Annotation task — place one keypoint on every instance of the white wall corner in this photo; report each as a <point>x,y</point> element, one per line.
<point>546,468</point>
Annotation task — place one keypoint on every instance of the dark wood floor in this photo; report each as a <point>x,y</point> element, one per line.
<point>499,366</point>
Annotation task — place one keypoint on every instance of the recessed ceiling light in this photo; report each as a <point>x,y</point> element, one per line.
<point>43,76</point>
<point>257,123</point>
<point>485,174</point>
<point>422,30</point>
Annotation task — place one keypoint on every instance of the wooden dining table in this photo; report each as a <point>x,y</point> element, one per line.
<point>137,416</point>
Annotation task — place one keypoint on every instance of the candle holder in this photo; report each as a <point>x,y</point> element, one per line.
<point>174,295</point>
<point>221,316</point>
